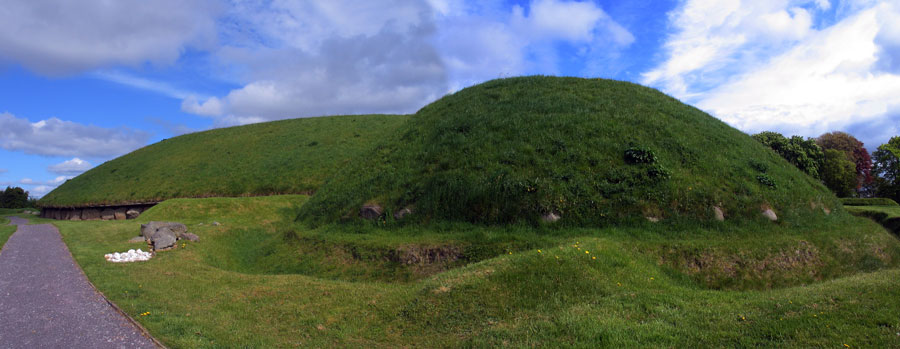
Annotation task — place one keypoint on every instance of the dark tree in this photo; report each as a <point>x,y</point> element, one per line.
<point>14,198</point>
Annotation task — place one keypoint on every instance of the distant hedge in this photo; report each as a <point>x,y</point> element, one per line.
<point>868,202</point>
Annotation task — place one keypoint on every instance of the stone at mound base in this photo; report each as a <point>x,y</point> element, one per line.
<point>550,217</point>
<point>402,213</point>
<point>132,214</point>
<point>652,219</point>
<point>89,214</point>
<point>119,214</point>
<point>768,213</point>
<point>108,214</point>
<point>370,211</point>
<point>719,214</point>
<point>137,239</point>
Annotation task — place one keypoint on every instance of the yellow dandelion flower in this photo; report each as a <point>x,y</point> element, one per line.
<point>539,251</point>
<point>846,345</point>
<point>510,252</point>
<point>651,278</point>
<point>593,257</point>
<point>619,284</point>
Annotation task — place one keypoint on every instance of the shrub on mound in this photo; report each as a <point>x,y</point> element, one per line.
<point>590,151</point>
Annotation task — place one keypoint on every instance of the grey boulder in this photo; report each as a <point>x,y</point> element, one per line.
<point>189,237</point>
<point>162,235</point>
<point>150,227</point>
<point>164,238</point>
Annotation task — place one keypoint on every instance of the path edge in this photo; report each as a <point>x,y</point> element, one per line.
<point>115,307</point>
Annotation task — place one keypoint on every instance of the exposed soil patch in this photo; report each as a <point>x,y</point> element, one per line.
<point>721,269</point>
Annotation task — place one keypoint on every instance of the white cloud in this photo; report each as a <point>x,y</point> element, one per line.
<point>212,106</point>
<point>570,21</point>
<point>55,137</point>
<point>815,81</point>
<point>64,37</point>
<point>53,182</point>
<point>74,166</point>
<point>142,83</point>
<point>306,58</point>
<point>40,190</point>
<point>715,37</point>
<point>479,42</point>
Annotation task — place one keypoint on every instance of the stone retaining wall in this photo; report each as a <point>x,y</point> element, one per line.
<point>106,213</point>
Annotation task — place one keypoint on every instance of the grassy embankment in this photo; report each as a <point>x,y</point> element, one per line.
<point>249,283</point>
<point>884,211</point>
<point>281,157</point>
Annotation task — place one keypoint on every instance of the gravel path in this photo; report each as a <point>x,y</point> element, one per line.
<point>47,302</point>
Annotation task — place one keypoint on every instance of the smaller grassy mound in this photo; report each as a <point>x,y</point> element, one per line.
<point>596,152</point>
<point>281,157</point>
<point>365,254</point>
<point>868,202</point>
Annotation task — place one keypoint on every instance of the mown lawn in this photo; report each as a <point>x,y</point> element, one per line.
<point>548,287</point>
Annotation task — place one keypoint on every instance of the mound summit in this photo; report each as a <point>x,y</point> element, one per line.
<point>590,151</point>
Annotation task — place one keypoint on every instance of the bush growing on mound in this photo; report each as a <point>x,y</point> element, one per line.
<point>591,151</point>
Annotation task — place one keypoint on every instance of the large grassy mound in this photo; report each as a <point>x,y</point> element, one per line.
<point>289,156</point>
<point>593,151</point>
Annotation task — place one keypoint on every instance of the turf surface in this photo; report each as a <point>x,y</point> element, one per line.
<point>820,283</point>
<point>280,157</point>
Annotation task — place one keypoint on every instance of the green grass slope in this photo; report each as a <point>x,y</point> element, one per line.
<point>825,283</point>
<point>595,152</point>
<point>289,156</point>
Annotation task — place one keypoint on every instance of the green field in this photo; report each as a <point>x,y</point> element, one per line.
<point>813,284</point>
<point>281,157</point>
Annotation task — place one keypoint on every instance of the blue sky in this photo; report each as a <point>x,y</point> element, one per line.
<point>84,82</point>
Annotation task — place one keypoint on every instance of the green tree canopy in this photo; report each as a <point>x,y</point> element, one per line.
<point>14,197</point>
<point>838,173</point>
<point>803,153</point>
<point>887,168</point>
